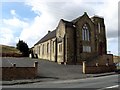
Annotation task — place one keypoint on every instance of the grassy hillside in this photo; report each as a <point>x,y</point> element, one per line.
<point>9,51</point>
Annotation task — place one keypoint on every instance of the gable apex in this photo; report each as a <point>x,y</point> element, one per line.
<point>77,19</point>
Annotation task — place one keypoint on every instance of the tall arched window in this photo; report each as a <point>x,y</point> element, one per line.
<point>39,50</point>
<point>85,33</point>
<point>48,48</point>
<point>43,49</point>
<point>53,46</point>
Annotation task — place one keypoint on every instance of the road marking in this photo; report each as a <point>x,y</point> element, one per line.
<point>115,86</point>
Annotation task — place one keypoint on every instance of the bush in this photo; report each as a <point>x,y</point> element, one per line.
<point>23,47</point>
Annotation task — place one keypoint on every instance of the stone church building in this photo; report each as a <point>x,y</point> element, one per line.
<point>72,42</point>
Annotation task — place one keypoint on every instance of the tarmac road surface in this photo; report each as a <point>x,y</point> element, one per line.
<point>99,83</point>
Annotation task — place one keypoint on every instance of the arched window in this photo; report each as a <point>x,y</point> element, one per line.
<point>39,50</point>
<point>85,33</point>
<point>48,49</point>
<point>60,47</point>
<point>43,49</point>
<point>53,46</point>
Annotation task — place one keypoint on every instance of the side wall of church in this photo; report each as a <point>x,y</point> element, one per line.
<point>60,33</point>
<point>46,50</point>
<point>70,44</point>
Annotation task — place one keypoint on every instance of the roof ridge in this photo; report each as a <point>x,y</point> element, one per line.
<point>48,36</point>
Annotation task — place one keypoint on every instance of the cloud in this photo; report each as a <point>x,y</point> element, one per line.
<point>15,22</point>
<point>36,30</point>
<point>49,12</point>
<point>112,45</point>
<point>13,12</point>
<point>110,14</point>
<point>72,9</point>
<point>11,28</point>
<point>6,36</point>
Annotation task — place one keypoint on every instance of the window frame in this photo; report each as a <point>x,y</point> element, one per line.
<point>87,48</point>
<point>85,32</point>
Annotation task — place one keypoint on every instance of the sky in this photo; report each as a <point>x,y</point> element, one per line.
<point>30,20</point>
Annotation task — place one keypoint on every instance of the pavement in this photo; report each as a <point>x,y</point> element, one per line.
<point>110,82</point>
<point>48,71</point>
<point>46,79</point>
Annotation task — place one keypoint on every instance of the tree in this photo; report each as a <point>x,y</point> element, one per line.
<point>23,47</point>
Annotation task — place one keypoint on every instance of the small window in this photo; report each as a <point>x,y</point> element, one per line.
<point>86,48</point>
<point>99,27</point>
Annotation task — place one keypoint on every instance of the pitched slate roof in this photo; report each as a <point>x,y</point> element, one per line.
<point>77,19</point>
<point>67,23</point>
<point>52,34</point>
<point>48,36</point>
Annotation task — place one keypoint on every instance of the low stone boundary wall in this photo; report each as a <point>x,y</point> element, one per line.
<point>98,69</point>
<point>12,73</point>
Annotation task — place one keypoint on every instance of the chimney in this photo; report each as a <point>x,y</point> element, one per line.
<point>49,31</point>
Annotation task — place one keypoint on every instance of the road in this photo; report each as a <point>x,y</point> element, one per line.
<point>100,83</point>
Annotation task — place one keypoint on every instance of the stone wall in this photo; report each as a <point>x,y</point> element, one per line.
<point>60,33</point>
<point>70,45</point>
<point>12,73</point>
<point>45,50</point>
<point>100,34</point>
<point>89,69</point>
<point>101,60</point>
<point>99,69</point>
<point>80,43</point>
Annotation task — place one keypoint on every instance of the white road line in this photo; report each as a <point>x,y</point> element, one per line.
<point>113,86</point>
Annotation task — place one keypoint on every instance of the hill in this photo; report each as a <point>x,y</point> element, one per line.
<point>9,51</point>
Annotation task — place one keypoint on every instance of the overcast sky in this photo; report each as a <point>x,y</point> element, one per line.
<point>30,20</point>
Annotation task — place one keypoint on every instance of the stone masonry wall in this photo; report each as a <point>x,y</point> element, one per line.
<point>102,60</point>
<point>12,73</point>
<point>99,69</point>
<point>70,45</point>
